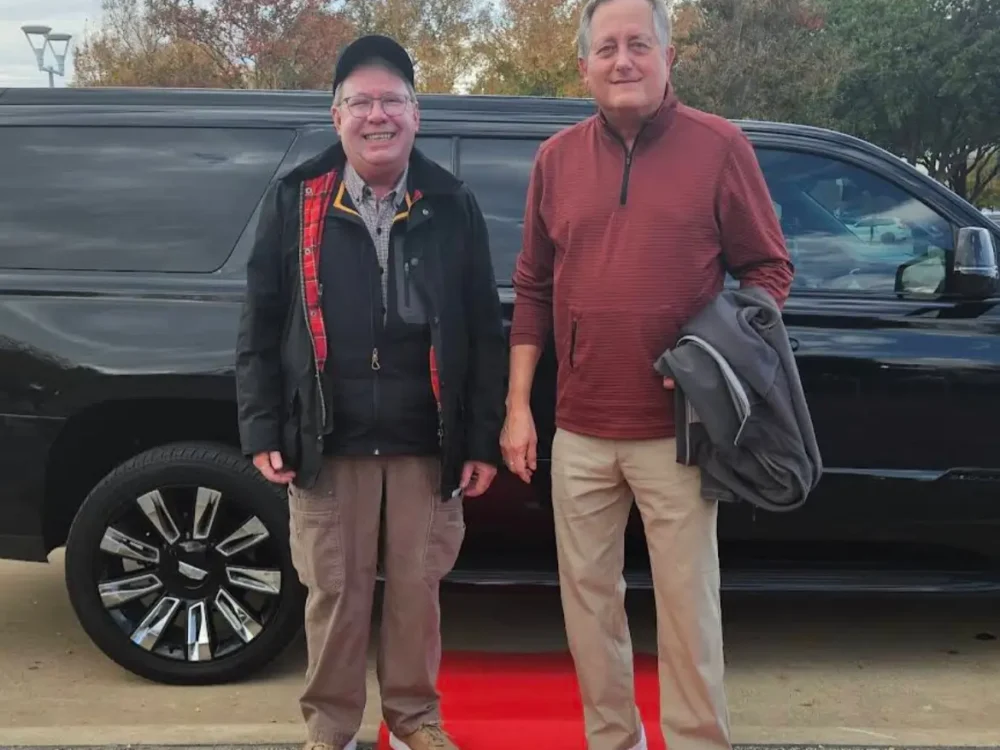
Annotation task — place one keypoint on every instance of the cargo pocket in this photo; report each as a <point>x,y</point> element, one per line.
<point>316,539</point>
<point>444,538</point>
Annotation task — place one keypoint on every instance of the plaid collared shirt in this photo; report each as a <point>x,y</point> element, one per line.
<point>377,215</point>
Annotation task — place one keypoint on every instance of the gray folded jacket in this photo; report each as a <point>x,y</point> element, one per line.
<point>741,411</point>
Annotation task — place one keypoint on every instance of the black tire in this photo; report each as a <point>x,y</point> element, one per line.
<point>177,471</point>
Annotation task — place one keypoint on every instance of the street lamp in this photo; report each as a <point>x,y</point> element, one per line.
<point>40,38</point>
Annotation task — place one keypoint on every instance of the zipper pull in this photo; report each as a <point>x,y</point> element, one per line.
<point>375,364</point>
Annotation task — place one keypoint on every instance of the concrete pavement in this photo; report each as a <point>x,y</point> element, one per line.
<point>878,672</point>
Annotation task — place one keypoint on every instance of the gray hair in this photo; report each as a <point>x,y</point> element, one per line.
<point>381,64</point>
<point>661,24</point>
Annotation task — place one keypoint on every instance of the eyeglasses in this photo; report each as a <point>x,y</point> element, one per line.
<point>392,104</point>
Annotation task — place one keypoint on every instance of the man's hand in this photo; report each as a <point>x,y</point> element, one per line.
<point>668,384</point>
<point>477,477</point>
<point>519,443</point>
<point>272,466</point>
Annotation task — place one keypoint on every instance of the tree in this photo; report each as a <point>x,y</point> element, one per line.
<point>757,59</point>
<point>531,49</point>
<point>273,44</point>
<point>278,44</point>
<point>128,50</point>
<point>924,85</point>
<point>687,18</point>
<point>985,182</point>
<point>440,35</point>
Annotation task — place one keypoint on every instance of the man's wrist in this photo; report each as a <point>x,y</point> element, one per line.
<point>518,402</point>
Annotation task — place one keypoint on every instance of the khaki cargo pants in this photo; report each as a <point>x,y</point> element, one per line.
<point>335,528</point>
<point>593,482</point>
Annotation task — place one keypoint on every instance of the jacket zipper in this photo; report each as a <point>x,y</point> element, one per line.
<point>623,197</point>
<point>305,313</point>
<point>572,344</point>
<point>375,364</point>
<point>629,152</point>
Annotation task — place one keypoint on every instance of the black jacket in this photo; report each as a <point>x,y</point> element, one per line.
<point>280,389</point>
<point>742,411</point>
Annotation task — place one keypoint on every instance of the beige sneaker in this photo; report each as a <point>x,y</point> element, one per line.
<point>352,745</point>
<point>428,737</point>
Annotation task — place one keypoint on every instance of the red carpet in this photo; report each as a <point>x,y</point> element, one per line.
<point>493,701</point>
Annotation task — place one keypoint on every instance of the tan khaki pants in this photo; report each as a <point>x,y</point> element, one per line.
<point>334,539</point>
<point>593,483</point>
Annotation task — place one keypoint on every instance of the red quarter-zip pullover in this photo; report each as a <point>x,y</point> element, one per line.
<point>621,249</point>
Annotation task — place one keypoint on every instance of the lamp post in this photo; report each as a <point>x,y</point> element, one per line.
<point>40,38</point>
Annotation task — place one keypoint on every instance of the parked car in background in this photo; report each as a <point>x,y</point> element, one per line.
<point>126,217</point>
<point>880,229</point>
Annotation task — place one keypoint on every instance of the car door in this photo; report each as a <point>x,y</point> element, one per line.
<point>903,382</point>
<point>511,526</point>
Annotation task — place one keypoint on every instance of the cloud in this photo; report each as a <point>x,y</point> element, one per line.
<point>17,62</point>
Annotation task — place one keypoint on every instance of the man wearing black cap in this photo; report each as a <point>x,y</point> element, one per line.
<point>370,377</point>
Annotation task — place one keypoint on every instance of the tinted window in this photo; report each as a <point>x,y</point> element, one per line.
<point>497,171</point>
<point>850,230</point>
<point>130,199</point>
<point>436,149</point>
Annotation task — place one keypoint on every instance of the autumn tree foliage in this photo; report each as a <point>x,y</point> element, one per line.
<point>274,44</point>
<point>440,35</point>
<point>265,44</point>
<point>128,50</point>
<point>530,48</point>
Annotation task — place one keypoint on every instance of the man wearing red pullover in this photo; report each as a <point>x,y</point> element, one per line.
<point>633,218</point>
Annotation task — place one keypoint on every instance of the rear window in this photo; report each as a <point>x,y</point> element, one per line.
<point>130,199</point>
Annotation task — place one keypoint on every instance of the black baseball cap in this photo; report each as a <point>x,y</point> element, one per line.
<point>368,47</point>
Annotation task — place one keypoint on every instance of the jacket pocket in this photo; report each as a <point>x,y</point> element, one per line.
<point>409,305</point>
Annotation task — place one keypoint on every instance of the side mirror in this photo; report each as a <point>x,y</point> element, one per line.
<point>976,274</point>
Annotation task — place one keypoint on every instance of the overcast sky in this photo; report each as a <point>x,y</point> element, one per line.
<point>17,62</point>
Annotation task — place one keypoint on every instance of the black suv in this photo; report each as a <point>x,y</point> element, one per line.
<point>125,221</point>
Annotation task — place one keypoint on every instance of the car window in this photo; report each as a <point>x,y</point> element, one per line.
<point>130,199</point>
<point>437,150</point>
<point>848,229</point>
<point>497,171</point>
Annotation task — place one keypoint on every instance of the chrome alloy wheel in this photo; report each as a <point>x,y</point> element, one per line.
<point>186,575</point>
<point>178,566</point>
